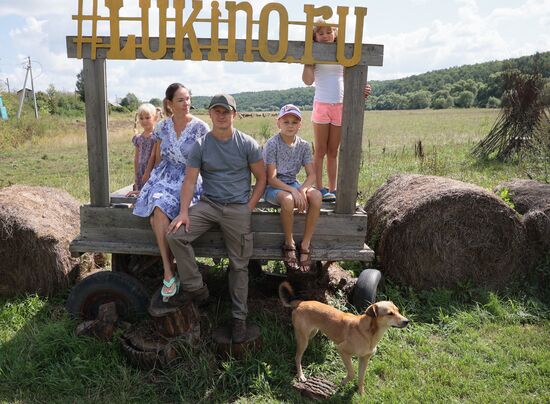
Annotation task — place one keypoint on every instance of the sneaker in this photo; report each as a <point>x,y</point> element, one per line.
<point>238,331</point>
<point>159,308</point>
<point>327,195</point>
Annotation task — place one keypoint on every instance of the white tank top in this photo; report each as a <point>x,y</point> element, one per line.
<point>329,83</point>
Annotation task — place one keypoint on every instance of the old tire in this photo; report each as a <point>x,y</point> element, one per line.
<point>128,293</point>
<point>364,292</point>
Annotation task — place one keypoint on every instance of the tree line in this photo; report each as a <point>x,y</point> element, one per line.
<point>479,85</point>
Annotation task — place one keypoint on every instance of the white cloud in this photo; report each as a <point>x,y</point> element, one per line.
<point>470,38</point>
<point>459,32</point>
<point>36,7</point>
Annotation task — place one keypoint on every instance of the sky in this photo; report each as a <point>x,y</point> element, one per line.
<point>418,36</point>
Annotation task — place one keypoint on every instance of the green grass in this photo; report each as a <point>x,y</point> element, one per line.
<point>60,159</point>
<point>464,345</point>
<point>481,348</point>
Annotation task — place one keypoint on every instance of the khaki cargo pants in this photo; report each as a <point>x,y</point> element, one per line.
<point>235,223</point>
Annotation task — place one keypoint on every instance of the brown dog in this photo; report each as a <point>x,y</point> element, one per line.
<point>352,334</point>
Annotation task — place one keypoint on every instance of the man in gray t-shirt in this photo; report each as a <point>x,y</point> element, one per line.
<point>225,158</point>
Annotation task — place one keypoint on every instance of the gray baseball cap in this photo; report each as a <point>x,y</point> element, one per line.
<point>223,100</point>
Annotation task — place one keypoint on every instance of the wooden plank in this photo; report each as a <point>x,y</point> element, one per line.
<point>371,54</point>
<point>215,239</point>
<point>330,224</point>
<point>119,197</point>
<point>96,130</point>
<point>349,160</point>
<point>80,245</point>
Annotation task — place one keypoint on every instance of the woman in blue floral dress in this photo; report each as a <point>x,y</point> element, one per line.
<point>159,198</point>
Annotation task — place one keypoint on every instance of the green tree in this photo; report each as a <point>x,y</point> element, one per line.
<point>391,101</point>
<point>442,99</point>
<point>130,102</point>
<point>52,100</point>
<point>420,99</point>
<point>465,99</point>
<point>80,85</point>
<point>493,102</point>
<point>157,102</point>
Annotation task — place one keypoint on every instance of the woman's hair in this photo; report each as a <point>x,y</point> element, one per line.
<point>320,22</point>
<point>169,96</point>
<point>148,108</point>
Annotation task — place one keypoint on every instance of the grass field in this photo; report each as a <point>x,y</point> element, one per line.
<point>60,159</point>
<point>465,345</point>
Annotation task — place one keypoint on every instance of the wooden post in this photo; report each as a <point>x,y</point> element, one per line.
<point>96,130</point>
<point>349,160</point>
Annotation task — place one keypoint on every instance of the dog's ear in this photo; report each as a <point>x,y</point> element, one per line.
<point>371,311</point>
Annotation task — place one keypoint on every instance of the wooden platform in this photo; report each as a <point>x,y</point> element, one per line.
<point>116,230</point>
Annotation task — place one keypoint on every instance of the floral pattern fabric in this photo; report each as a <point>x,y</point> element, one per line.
<point>144,146</point>
<point>163,188</point>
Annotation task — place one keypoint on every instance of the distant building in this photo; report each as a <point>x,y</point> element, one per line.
<point>27,92</point>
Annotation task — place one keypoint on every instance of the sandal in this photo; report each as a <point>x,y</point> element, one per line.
<point>289,257</point>
<point>169,288</point>
<point>305,263</point>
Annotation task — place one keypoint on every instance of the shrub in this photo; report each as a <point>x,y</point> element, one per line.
<point>493,102</point>
<point>465,99</point>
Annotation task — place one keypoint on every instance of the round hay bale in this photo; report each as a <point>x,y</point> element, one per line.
<point>527,195</point>
<point>537,225</point>
<point>36,226</point>
<point>437,232</point>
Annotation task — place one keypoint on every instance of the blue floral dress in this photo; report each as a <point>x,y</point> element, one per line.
<point>163,187</point>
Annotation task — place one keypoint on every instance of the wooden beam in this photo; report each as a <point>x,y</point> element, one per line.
<point>95,88</point>
<point>371,54</point>
<point>349,160</point>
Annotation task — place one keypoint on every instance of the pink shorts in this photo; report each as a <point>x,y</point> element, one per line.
<point>325,113</point>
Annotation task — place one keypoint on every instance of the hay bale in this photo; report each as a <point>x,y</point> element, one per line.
<point>537,225</point>
<point>437,232</point>
<point>36,226</point>
<point>527,195</point>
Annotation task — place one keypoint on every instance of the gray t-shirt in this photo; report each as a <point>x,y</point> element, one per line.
<point>288,159</point>
<point>224,166</point>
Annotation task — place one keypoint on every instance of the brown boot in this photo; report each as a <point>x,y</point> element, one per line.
<point>238,331</point>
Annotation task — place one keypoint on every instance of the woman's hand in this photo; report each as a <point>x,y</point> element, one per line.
<point>132,193</point>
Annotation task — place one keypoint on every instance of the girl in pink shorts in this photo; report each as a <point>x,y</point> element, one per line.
<point>327,111</point>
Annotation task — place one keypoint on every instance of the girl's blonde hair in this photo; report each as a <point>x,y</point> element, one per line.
<point>321,22</point>
<point>147,108</point>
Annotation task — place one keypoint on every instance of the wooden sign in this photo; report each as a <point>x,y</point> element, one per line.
<point>186,46</point>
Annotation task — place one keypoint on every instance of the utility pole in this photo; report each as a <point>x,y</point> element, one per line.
<point>29,69</point>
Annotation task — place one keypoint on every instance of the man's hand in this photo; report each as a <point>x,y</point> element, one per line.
<point>179,220</point>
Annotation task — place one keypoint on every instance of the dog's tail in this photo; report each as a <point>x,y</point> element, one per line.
<point>287,296</point>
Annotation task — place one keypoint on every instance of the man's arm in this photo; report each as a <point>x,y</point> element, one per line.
<point>258,170</point>
<point>186,195</point>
